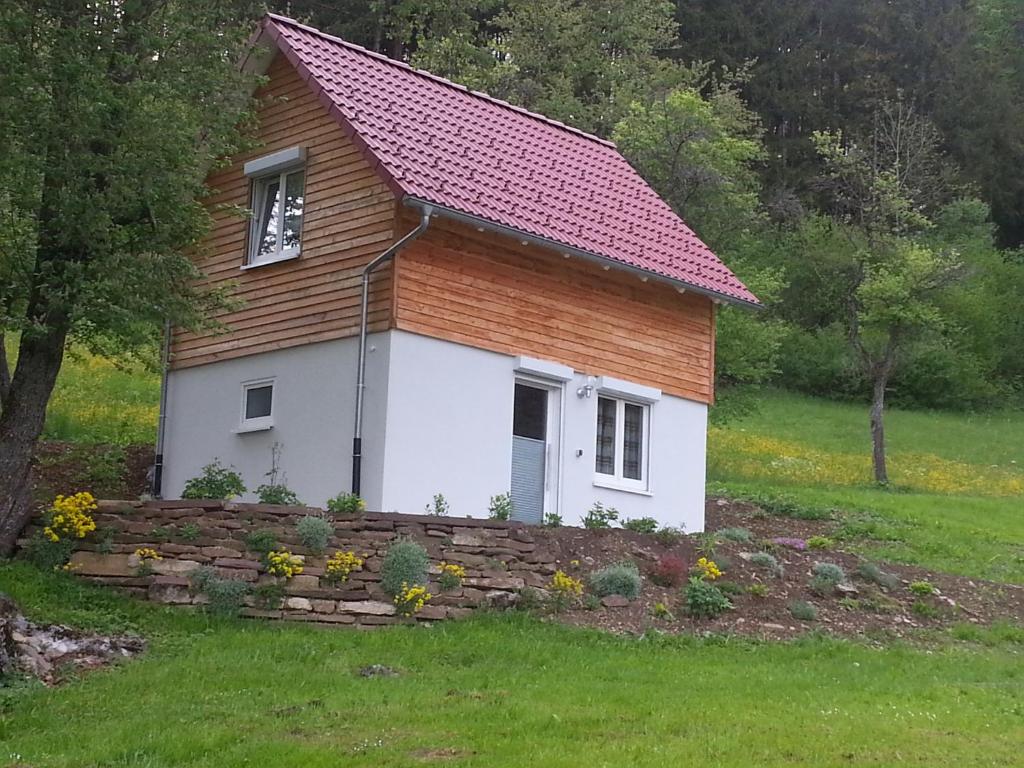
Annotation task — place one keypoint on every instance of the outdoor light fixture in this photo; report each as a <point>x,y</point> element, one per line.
<point>587,389</point>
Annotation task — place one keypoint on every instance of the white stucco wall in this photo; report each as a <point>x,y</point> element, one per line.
<point>449,428</point>
<point>438,419</point>
<point>313,419</point>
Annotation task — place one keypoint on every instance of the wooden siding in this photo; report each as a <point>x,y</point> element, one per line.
<point>492,293</point>
<point>349,218</point>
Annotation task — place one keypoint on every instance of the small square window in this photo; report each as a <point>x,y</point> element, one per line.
<point>257,406</point>
<point>277,204</point>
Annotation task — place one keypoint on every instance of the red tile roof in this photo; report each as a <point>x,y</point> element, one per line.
<point>443,144</point>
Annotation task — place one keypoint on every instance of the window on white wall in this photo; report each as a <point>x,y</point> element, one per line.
<point>278,202</point>
<point>257,405</point>
<point>622,442</point>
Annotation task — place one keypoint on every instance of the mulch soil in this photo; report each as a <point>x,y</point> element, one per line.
<point>108,472</point>
<point>869,610</point>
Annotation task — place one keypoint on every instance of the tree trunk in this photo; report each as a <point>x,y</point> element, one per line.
<point>878,429</point>
<point>5,371</point>
<point>21,422</point>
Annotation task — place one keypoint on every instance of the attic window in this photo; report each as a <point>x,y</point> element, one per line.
<point>278,196</point>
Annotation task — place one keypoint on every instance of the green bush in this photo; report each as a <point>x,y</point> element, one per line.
<point>822,586</point>
<point>48,555</point>
<point>730,588</point>
<point>922,588</point>
<point>801,610</point>
<point>405,562</point>
<point>599,517</point>
<point>190,532</point>
<point>704,600</point>
<point>226,596</point>
<point>820,542</point>
<point>924,610</point>
<point>260,542</point>
<point>500,507</point>
<point>618,579</point>
<point>314,533</point>
<point>552,520</point>
<point>278,495</point>
<point>758,590</point>
<point>766,561</point>
<point>741,535</point>
<point>216,482</point>
<point>829,572</point>
<point>641,525</point>
<point>347,504</point>
<point>438,507</point>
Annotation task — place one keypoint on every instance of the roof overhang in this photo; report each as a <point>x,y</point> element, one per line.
<point>569,251</point>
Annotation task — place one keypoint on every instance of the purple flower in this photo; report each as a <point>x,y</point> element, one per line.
<point>783,541</point>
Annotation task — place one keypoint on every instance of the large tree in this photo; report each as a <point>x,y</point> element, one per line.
<point>111,114</point>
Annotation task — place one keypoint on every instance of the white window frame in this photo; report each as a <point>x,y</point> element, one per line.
<point>617,479</point>
<point>260,423</point>
<point>264,171</point>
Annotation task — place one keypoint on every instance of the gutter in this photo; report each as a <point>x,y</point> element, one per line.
<point>357,436</point>
<point>161,429</point>
<point>568,250</point>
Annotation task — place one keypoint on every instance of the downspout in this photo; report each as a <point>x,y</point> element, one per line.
<point>357,438</point>
<point>161,428</point>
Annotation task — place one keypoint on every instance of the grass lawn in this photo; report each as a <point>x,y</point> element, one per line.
<point>504,691</point>
<point>958,499</point>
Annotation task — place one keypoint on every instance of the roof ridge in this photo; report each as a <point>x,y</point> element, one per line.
<point>438,79</point>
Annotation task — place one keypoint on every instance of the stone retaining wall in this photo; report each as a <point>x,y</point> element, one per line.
<point>500,558</point>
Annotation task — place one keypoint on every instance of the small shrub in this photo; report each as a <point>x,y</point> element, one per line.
<point>829,572</point>
<point>758,590</point>
<point>225,595</point>
<point>346,505</point>
<point>820,542</point>
<point>924,610</point>
<point>704,600</point>
<point>451,577</point>
<point>438,507</point>
<point>277,494</point>
<point>406,562</point>
<point>411,598</point>
<point>922,588</point>
<point>552,520</point>
<point>708,569</point>
<point>529,600</point>
<point>500,507</point>
<point>766,561</point>
<point>215,482</point>
<point>105,539</point>
<point>314,533</point>
<point>668,536</point>
<point>705,543</point>
<point>741,535</point>
<point>724,562</point>
<point>599,517</point>
<point>801,610</point>
<point>190,532</point>
<point>564,590</point>
<point>340,565</point>
<point>160,534</point>
<point>618,579</point>
<point>871,572</point>
<point>641,525</point>
<point>269,596</point>
<point>260,542</point>
<point>850,604</point>
<point>669,571</point>
<point>48,555</point>
<point>661,611</point>
<point>730,588</point>
<point>591,602</point>
<point>283,563</point>
<point>822,586</point>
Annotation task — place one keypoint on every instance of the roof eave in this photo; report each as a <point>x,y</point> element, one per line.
<point>604,261</point>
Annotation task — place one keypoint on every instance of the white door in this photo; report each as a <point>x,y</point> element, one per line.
<point>534,450</point>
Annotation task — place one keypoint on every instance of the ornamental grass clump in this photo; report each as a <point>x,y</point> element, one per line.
<point>766,561</point>
<point>406,562</point>
<point>340,566</point>
<point>283,563</point>
<point>451,576</point>
<point>224,596</point>
<point>704,600</point>
<point>825,578</point>
<point>411,599</point>
<point>740,535</point>
<point>618,579</point>
<point>314,533</point>
<point>871,572</point>
<point>801,610</point>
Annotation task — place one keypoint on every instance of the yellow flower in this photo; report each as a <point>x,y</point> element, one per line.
<point>147,553</point>
<point>708,569</point>
<point>564,584</point>
<point>341,564</point>
<point>410,600</point>
<point>283,563</point>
